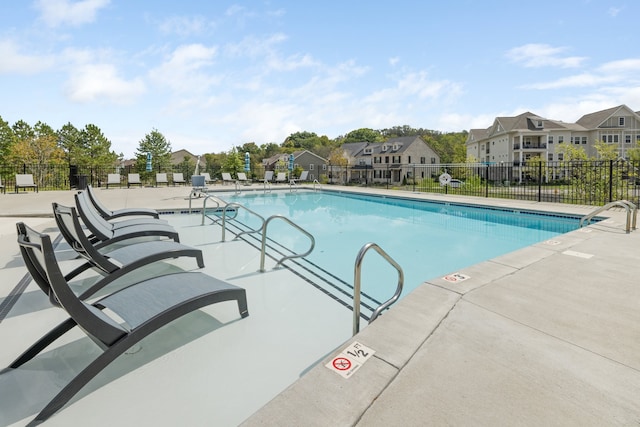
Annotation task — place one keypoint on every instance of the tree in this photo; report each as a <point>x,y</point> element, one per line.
<point>69,139</point>
<point>96,148</point>
<point>363,135</point>
<point>7,139</point>
<point>160,149</point>
<point>233,163</point>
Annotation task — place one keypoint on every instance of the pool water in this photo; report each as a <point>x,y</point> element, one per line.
<point>427,239</point>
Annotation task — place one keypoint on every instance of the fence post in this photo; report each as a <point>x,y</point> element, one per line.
<point>539,182</point>
<point>414,178</point>
<point>486,180</point>
<point>610,181</point>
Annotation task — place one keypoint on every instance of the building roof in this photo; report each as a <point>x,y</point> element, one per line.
<point>594,120</point>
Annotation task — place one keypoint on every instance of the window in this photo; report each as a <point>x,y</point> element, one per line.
<point>620,121</point>
<point>368,150</point>
<point>560,157</point>
<point>409,159</point>
<point>311,166</point>
<point>324,166</point>
<point>584,139</point>
<point>423,160</point>
<point>386,159</point>
<point>550,157</point>
<point>384,148</point>
<point>627,139</point>
<point>550,139</point>
<point>377,160</point>
<point>433,160</point>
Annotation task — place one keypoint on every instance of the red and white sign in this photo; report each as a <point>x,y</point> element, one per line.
<point>456,277</point>
<point>350,359</point>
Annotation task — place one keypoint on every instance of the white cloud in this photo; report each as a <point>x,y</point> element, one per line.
<point>624,65</point>
<point>101,82</point>
<point>184,26</point>
<point>16,62</point>
<point>614,11</point>
<point>543,55</point>
<point>65,12</point>
<point>183,69</point>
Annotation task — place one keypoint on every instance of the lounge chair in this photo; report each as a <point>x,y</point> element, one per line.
<point>268,176</point>
<point>199,185</point>
<point>105,233</point>
<point>108,214</point>
<point>226,177</point>
<point>25,181</point>
<point>134,179</point>
<point>4,190</point>
<point>302,178</point>
<point>144,307</point>
<point>113,179</point>
<point>119,222</point>
<point>178,178</point>
<point>242,178</point>
<point>161,178</point>
<point>281,177</point>
<point>207,178</point>
<point>116,263</point>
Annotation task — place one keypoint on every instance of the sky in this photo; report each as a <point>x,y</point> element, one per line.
<point>211,75</point>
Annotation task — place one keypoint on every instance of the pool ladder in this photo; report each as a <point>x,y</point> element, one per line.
<point>356,285</point>
<point>631,208</point>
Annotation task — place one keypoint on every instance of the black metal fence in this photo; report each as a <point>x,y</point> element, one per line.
<point>576,182</point>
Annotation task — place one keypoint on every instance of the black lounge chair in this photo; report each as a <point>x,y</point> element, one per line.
<point>108,214</point>
<point>120,221</point>
<point>105,233</point>
<point>144,307</point>
<point>118,262</point>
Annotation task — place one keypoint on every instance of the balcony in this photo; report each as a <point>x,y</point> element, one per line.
<point>530,146</point>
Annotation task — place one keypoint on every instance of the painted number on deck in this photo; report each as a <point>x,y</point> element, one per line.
<point>350,359</point>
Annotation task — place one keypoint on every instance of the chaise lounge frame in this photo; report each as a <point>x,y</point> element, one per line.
<point>173,296</point>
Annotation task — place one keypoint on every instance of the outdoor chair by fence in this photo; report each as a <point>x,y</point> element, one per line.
<point>105,233</point>
<point>143,307</point>
<point>178,178</point>
<point>116,263</point>
<point>2,188</point>
<point>282,177</point>
<point>207,178</point>
<point>108,214</point>
<point>242,178</point>
<point>113,179</point>
<point>134,179</point>
<point>302,178</point>
<point>161,178</point>
<point>268,176</point>
<point>25,181</point>
<point>226,178</point>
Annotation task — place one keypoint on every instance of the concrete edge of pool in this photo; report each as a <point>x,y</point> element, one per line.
<point>547,335</point>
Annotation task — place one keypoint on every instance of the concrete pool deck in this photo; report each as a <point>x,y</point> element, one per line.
<point>547,335</point>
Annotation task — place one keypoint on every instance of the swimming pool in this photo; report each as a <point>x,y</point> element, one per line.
<point>428,239</point>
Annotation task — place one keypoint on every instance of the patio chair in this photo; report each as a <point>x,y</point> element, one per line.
<point>25,181</point>
<point>116,263</point>
<point>207,178</point>
<point>281,177</point>
<point>199,185</point>
<point>4,190</point>
<point>268,176</point>
<point>105,233</point>
<point>226,178</point>
<point>302,178</point>
<point>178,178</point>
<point>242,178</point>
<point>121,221</point>
<point>113,179</point>
<point>134,179</point>
<point>161,178</point>
<point>143,307</point>
<point>108,214</point>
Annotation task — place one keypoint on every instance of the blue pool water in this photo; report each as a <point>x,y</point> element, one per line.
<point>427,239</point>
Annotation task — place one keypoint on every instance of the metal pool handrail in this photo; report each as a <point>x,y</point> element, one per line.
<point>315,181</point>
<point>237,207</point>
<point>219,202</point>
<point>293,224</point>
<point>357,280</point>
<point>631,208</point>
<point>267,186</point>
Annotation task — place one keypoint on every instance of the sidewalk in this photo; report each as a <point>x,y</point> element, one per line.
<point>548,335</point>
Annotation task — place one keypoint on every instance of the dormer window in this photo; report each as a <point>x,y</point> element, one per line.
<point>396,147</point>
<point>384,147</point>
<point>368,150</point>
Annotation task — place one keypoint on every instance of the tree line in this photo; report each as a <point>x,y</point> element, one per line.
<point>40,144</point>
